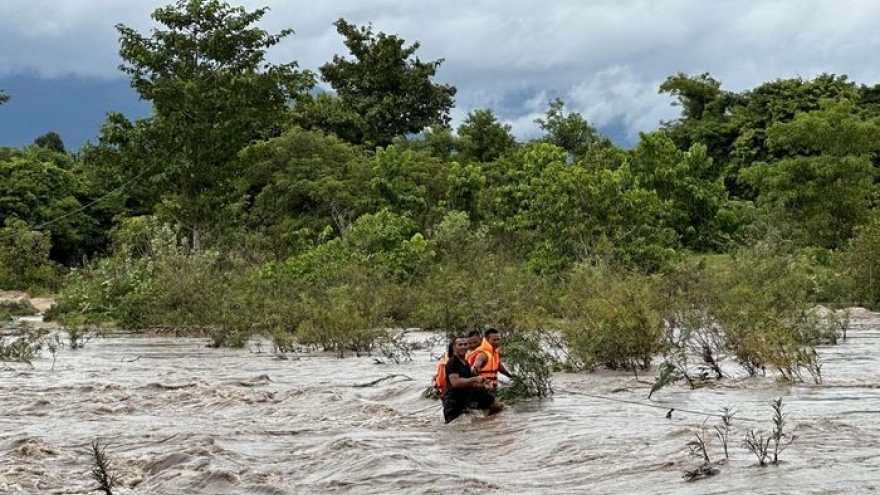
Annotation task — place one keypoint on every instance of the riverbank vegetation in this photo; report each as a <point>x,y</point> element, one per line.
<point>250,203</point>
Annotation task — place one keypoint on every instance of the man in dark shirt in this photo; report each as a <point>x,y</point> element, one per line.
<point>465,391</point>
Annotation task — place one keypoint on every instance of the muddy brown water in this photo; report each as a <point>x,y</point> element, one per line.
<point>179,418</point>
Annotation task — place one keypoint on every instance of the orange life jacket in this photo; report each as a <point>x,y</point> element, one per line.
<point>493,360</point>
<point>440,377</point>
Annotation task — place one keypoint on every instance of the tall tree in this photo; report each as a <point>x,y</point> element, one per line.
<point>390,89</point>
<point>824,187</point>
<point>51,140</point>
<point>570,131</point>
<point>212,94</point>
<point>483,137</point>
<point>705,117</point>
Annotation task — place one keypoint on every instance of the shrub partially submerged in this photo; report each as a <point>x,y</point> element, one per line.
<point>16,307</point>
<point>756,309</point>
<point>610,319</point>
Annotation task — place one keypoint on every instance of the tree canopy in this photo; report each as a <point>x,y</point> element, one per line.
<point>390,89</point>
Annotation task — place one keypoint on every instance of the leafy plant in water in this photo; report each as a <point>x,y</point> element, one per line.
<point>759,445</point>
<point>611,320</point>
<point>524,354</point>
<point>722,431</point>
<point>767,446</point>
<point>781,438</point>
<point>54,344</point>
<point>101,469</point>
<point>698,448</point>
<point>23,348</point>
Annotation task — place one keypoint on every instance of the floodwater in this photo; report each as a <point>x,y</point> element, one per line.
<point>179,418</point>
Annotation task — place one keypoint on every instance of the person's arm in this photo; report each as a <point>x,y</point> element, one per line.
<point>479,362</point>
<point>458,382</point>
<point>503,371</point>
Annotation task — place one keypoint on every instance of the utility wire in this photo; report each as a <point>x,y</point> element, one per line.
<point>87,206</point>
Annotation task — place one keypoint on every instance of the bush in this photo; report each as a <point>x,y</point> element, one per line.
<point>610,319</point>
<point>21,307</point>
<point>526,357</point>
<point>24,258</point>
<point>859,264</point>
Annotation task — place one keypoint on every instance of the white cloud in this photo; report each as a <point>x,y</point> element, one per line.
<point>605,57</point>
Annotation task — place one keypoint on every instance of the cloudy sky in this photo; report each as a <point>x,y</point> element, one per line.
<point>59,58</point>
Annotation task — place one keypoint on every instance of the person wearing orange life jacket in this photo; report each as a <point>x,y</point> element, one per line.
<point>440,377</point>
<point>486,360</point>
<point>440,383</point>
<point>474,338</point>
<point>466,391</point>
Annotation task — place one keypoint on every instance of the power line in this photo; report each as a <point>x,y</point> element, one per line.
<point>87,206</point>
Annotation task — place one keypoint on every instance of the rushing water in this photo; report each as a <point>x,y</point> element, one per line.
<point>179,418</point>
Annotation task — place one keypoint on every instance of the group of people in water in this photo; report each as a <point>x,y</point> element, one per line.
<point>467,376</point>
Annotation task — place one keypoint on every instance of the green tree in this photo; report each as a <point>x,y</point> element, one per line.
<point>212,94</point>
<point>24,257</point>
<point>303,181</point>
<point>328,113</point>
<point>392,92</point>
<point>705,116</point>
<point>408,182</point>
<point>698,198</point>
<point>51,141</point>
<point>556,214</point>
<point>570,131</point>
<point>483,138</point>
<point>3,97</point>
<point>776,102</point>
<point>860,263</point>
<point>38,185</point>
<point>464,184</point>
<point>826,185</point>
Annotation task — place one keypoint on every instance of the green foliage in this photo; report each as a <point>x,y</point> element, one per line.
<point>463,187</point>
<point>329,113</point>
<point>483,138</point>
<point>571,131</point>
<point>21,307</point>
<point>386,243</point>
<point>391,92</point>
<point>38,185</point>
<point>697,95</point>
<point>24,258</point>
<point>823,192</point>
<point>697,199</point>
<point>774,102</point>
<point>212,94</point>
<point>351,316</point>
<point>102,470</point>
<point>610,319</point>
<point>302,182</point>
<point>407,182</point>
<point>859,265</point>
<point>51,141</point>
<point>437,140</point>
<point>470,287</point>
<point>558,214</point>
<point>763,303</point>
<point>3,97</point>
<point>526,357</point>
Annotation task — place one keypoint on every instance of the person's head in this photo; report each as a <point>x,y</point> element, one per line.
<point>493,337</point>
<point>474,339</point>
<point>458,346</point>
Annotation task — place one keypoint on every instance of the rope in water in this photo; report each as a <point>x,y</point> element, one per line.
<point>658,406</point>
<point>731,414</point>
